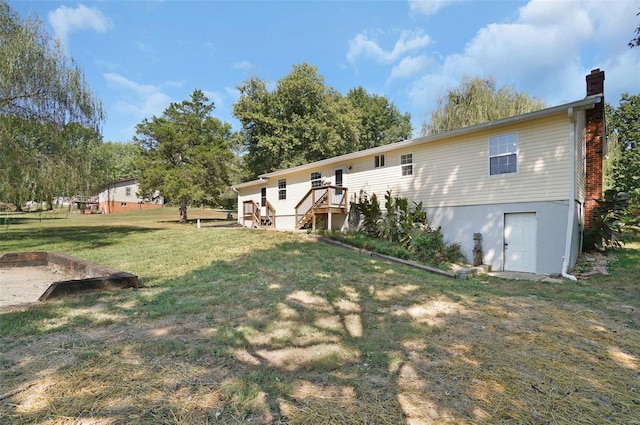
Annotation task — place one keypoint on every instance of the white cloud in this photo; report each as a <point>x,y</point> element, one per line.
<point>428,7</point>
<point>233,93</point>
<point>363,46</point>
<point>65,20</point>
<point>136,101</point>
<point>409,66</point>
<point>214,97</point>
<point>244,66</point>
<point>546,52</point>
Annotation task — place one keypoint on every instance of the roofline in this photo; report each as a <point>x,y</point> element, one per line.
<point>249,183</point>
<point>586,103</point>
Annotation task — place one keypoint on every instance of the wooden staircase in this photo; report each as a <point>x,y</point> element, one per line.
<point>320,201</point>
<point>252,215</point>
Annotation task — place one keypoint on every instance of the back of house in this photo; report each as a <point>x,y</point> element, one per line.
<point>526,183</point>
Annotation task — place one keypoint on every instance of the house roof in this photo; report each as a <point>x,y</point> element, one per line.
<point>586,103</point>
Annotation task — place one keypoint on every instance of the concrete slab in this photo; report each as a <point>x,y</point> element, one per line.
<point>525,276</point>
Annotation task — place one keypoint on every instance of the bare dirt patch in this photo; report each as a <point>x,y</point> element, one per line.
<point>20,285</point>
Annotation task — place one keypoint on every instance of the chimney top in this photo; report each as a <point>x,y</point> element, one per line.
<point>595,82</point>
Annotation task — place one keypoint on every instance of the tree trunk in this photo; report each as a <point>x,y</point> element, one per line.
<point>183,210</point>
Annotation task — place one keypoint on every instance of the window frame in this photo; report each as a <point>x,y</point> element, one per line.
<point>503,147</point>
<point>317,181</point>
<point>406,165</point>
<point>263,196</point>
<point>282,189</point>
<point>379,161</point>
<point>127,191</point>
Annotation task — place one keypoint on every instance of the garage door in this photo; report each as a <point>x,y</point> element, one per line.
<point>520,231</point>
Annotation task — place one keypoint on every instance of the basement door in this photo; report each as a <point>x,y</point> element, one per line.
<point>520,235</point>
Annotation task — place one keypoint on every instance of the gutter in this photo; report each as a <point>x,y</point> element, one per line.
<point>572,196</point>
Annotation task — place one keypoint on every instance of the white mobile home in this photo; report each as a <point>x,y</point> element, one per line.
<point>526,183</point>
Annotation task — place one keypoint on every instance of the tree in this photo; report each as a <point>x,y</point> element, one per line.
<point>48,115</point>
<point>624,140</point>
<point>635,42</point>
<point>37,80</point>
<point>185,153</point>
<point>303,120</point>
<point>624,151</point>
<point>475,101</point>
<point>379,120</point>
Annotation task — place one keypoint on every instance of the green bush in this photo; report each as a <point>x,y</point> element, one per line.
<point>403,232</point>
<point>429,247</point>
<point>614,223</point>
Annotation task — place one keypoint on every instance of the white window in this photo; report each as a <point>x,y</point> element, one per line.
<point>378,161</point>
<point>127,191</point>
<point>503,154</point>
<point>406,164</point>
<point>263,196</point>
<point>316,179</point>
<point>282,189</point>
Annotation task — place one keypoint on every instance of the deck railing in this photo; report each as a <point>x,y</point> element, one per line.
<point>322,198</point>
<point>252,212</point>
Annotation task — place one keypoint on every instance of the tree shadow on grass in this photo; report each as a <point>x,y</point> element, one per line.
<point>309,333</point>
<point>81,237</point>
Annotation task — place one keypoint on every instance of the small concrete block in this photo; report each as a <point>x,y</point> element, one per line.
<point>464,274</point>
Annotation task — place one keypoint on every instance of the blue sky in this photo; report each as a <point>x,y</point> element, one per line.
<point>138,56</point>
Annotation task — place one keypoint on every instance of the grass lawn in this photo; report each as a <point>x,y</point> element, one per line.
<point>233,325</point>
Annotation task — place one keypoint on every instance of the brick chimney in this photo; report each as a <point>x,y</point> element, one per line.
<point>594,153</point>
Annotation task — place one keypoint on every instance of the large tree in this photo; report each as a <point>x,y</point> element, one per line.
<point>48,115</point>
<point>185,153</point>
<point>624,139</point>
<point>477,100</point>
<point>379,120</point>
<point>303,120</point>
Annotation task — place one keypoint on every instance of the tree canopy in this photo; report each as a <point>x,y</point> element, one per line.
<point>624,143</point>
<point>379,120</point>
<point>185,153</point>
<point>37,80</point>
<point>304,120</point>
<point>49,118</point>
<point>635,42</point>
<point>475,101</point>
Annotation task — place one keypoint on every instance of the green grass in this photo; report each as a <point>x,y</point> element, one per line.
<point>234,325</point>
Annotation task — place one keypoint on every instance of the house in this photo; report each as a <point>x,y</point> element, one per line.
<point>123,196</point>
<point>527,183</point>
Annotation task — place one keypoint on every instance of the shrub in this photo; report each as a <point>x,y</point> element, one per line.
<point>429,246</point>
<point>614,222</point>
<point>369,210</point>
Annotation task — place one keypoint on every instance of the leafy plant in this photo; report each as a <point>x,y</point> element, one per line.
<point>369,209</point>
<point>613,224</point>
<point>429,246</point>
<point>406,231</point>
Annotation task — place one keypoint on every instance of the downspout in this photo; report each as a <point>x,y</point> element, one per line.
<point>572,197</point>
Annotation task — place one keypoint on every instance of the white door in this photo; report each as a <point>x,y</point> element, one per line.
<point>520,233</point>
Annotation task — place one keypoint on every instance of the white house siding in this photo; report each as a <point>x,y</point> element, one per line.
<point>451,177</point>
<point>455,172</point>
<point>118,192</point>
<point>460,223</point>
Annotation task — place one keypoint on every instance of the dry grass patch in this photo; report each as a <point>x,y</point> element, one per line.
<point>239,326</point>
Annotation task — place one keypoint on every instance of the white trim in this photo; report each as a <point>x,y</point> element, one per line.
<point>411,164</point>
<point>586,103</point>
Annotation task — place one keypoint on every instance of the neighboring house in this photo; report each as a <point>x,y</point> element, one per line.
<point>123,196</point>
<point>527,183</point>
